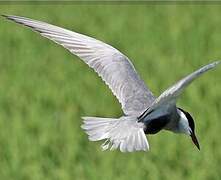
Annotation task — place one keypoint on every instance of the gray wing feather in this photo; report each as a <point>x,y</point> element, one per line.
<point>171,94</point>
<point>111,65</point>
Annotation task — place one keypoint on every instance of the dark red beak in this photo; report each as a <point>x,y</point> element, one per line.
<point>194,139</point>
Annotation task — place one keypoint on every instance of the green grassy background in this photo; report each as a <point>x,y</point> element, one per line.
<point>44,91</point>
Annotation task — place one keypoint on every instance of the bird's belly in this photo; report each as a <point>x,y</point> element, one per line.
<point>159,119</point>
<point>153,126</point>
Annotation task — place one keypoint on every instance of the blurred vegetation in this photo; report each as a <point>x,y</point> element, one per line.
<point>45,90</point>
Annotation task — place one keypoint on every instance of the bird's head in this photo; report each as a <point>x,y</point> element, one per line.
<point>187,126</point>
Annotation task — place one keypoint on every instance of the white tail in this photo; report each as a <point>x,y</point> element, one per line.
<point>124,133</point>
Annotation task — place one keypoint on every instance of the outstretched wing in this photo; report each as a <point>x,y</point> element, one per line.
<point>169,96</point>
<point>111,65</point>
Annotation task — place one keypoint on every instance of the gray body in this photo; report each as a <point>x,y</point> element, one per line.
<point>162,118</point>
<point>143,112</point>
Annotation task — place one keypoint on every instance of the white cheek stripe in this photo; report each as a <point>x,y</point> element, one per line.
<point>185,124</point>
<point>182,115</point>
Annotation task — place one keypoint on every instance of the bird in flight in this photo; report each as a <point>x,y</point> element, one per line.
<point>143,112</point>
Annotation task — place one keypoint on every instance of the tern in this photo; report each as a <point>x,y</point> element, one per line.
<point>143,112</point>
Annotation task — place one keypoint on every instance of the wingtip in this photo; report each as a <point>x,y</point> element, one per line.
<point>9,17</point>
<point>12,17</point>
<point>5,16</point>
<point>215,63</point>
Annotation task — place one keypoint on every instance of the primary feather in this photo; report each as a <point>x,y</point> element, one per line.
<point>169,96</point>
<point>114,68</point>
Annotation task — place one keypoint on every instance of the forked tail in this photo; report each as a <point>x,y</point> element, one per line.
<point>124,133</point>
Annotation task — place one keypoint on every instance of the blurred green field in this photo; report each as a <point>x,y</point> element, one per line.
<point>44,90</point>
